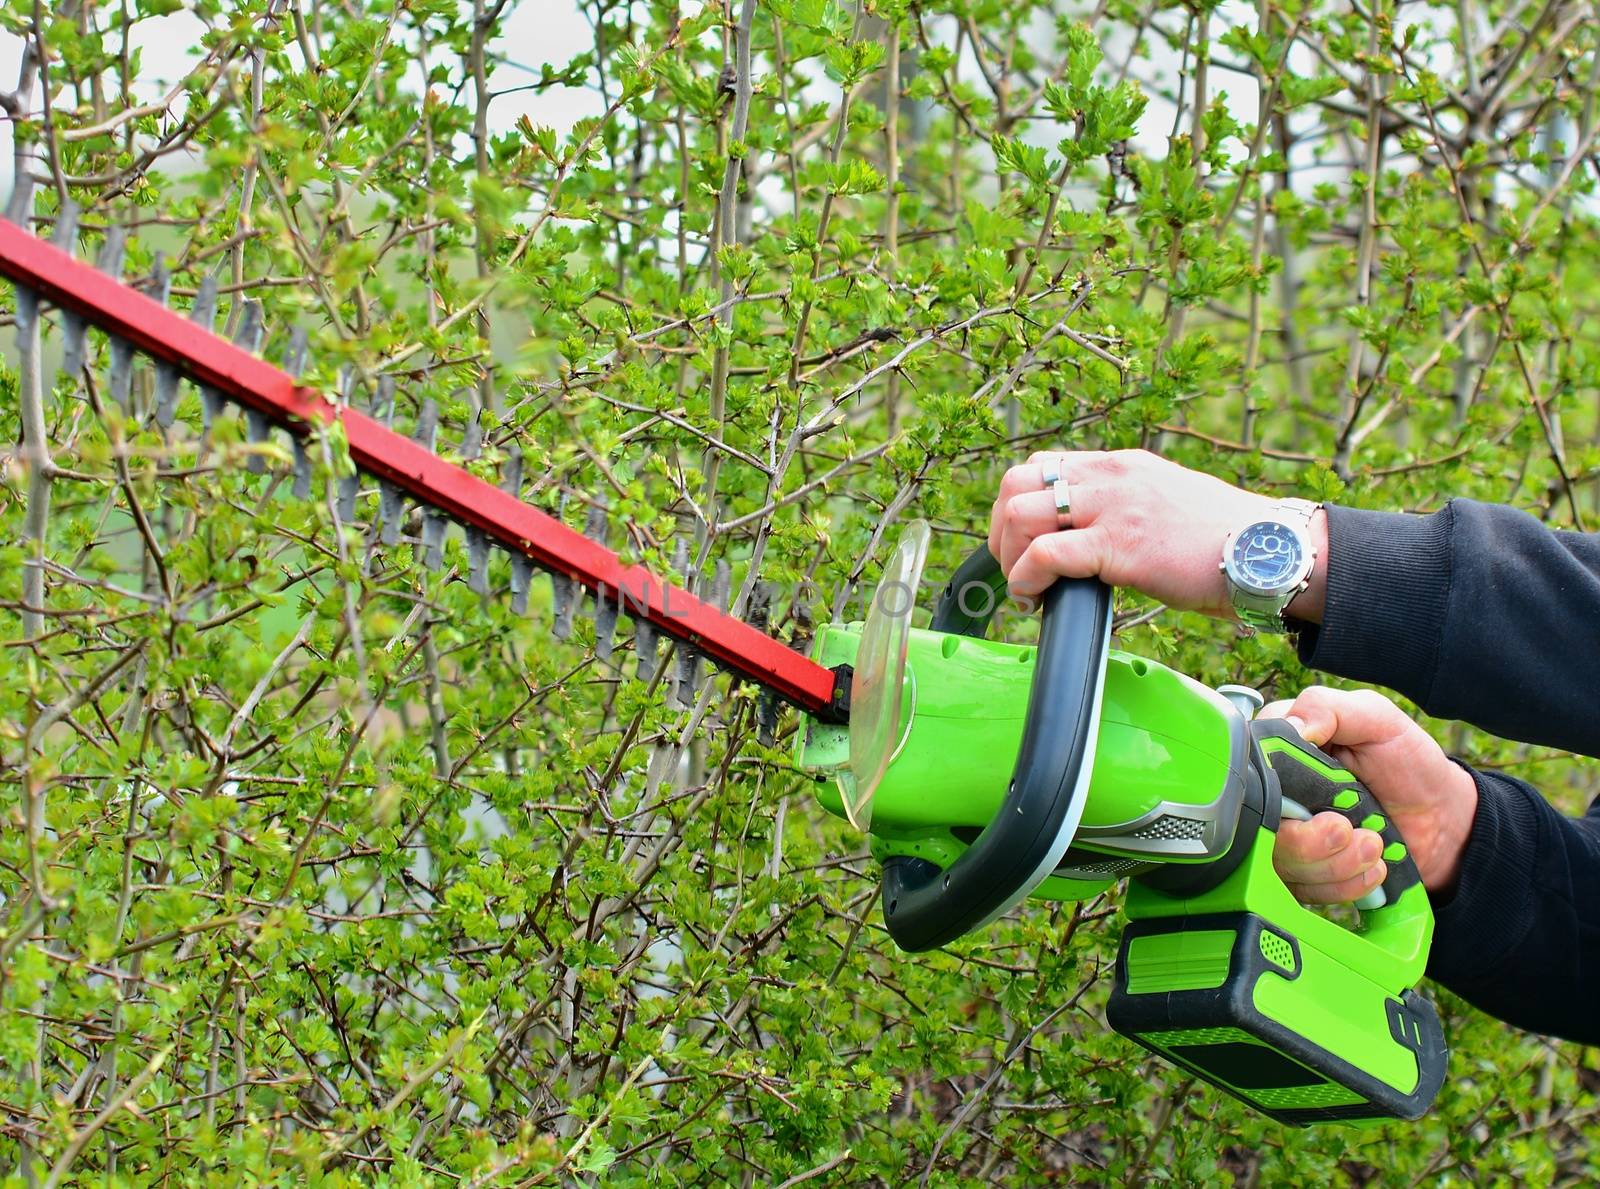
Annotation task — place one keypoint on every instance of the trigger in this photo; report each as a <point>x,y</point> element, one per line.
<point>1373,900</point>
<point>1294,811</point>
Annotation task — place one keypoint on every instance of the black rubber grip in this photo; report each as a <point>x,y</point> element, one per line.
<point>925,907</point>
<point>1297,768</point>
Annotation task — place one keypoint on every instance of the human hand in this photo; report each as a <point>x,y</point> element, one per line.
<point>1430,800</point>
<point>1137,520</point>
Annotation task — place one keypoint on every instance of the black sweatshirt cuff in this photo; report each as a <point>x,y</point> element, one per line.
<point>1388,585</point>
<point>1492,908</point>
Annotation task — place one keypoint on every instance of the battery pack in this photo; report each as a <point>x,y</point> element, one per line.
<point>1274,1022</point>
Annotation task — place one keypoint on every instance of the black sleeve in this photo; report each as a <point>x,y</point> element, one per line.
<point>1477,612</point>
<point>1520,938</point>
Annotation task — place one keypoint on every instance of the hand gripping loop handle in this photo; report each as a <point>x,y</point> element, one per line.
<point>925,907</point>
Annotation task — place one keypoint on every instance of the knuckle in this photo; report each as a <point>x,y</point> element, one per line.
<point>1374,703</point>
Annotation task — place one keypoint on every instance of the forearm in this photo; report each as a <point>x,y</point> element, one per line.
<point>1476,612</point>
<point>1520,936</point>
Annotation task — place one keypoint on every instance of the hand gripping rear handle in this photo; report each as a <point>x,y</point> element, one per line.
<point>1400,923</point>
<point>925,906</point>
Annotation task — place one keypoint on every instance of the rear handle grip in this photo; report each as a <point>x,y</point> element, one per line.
<point>1315,780</point>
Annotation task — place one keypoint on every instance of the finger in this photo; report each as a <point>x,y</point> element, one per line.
<point>1077,466</point>
<point>1302,850</point>
<point>1342,892</point>
<point>1324,850</point>
<point>1073,458</point>
<point>1077,553</point>
<point>1027,516</point>
<point>1349,717</point>
<point>1280,709</point>
<point>1020,480</point>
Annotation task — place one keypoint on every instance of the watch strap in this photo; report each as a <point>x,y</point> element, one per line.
<point>1300,511</point>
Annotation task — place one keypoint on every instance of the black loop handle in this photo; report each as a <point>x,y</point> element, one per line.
<point>1310,776</point>
<point>971,597</point>
<point>925,907</point>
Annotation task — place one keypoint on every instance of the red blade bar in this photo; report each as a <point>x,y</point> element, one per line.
<point>205,358</point>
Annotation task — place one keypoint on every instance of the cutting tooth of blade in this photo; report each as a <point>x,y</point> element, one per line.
<point>73,329</point>
<point>383,403</point>
<point>767,717</point>
<point>425,434</point>
<point>66,229</point>
<point>688,675</point>
<point>302,470</point>
<point>594,528</point>
<point>167,374</point>
<point>759,616</point>
<point>349,486</point>
<point>20,208</point>
<point>689,658</point>
<point>477,561</point>
<point>162,276</point>
<point>433,530</point>
<point>204,313</point>
<point>605,626</point>
<point>121,370</point>
<point>512,481</point>
<point>65,236</point>
<point>27,309</point>
<point>427,430</point>
<point>248,336</point>
<point>644,649</point>
<point>110,263</point>
<point>564,597</point>
<point>257,429</point>
<point>294,353</point>
<point>391,512</point>
<point>760,613</point>
<point>212,404</point>
<point>687,666</point>
<point>472,444</point>
<point>521,580</point>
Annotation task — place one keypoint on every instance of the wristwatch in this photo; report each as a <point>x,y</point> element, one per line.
<point>1267,562</point>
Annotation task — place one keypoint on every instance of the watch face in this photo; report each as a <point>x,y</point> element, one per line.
<point>1267,556</point>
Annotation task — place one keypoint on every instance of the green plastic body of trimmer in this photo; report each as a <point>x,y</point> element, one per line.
<point>1168,745</point>
<point>1229,977</point>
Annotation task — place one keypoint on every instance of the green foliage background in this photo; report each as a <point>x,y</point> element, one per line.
<point>315,866</point>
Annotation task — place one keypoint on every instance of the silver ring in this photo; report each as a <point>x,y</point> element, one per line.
<point>1062,491</point>
<point>1051,472</point>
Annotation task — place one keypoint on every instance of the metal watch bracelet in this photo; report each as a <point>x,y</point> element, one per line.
<point>1264,613</point>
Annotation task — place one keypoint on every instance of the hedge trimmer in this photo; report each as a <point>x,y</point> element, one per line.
<point>1119,767</point>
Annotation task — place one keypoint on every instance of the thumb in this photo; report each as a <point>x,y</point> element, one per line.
<point>1284,708</point>
<point>1310,714</point>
